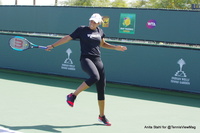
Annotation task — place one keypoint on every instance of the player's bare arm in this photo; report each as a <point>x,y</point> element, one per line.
<point>106,45</point>
<point>63,40</point>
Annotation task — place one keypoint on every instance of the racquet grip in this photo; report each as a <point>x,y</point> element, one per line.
<point>42,47</point>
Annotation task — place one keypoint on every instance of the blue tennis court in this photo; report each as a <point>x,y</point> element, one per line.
<point>33,103</point>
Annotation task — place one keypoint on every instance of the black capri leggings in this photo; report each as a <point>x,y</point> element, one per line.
<point>93,66</point>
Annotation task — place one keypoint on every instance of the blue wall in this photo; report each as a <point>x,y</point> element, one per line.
<point>143,65</point>
<point>170,25</point>
<point>140,65</point>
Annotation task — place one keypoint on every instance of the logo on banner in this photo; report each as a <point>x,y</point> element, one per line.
<point>68,63</point>
<point>151,24</point>
<point>180,76</point>
<point>127,23</point>
<point>106,21</point>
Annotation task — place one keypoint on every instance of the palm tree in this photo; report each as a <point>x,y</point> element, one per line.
<point>181,62</point>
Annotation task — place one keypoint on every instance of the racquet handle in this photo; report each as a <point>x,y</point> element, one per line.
<point>42,47</point>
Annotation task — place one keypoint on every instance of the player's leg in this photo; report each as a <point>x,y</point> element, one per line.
<point>89,67</point>
<point>100,85</point>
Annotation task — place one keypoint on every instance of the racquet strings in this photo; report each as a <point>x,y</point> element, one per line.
<point>19,44</point>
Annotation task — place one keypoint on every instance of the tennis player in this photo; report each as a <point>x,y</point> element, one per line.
<point>91,39</point>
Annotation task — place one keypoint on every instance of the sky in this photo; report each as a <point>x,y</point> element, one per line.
<point>29,2</point>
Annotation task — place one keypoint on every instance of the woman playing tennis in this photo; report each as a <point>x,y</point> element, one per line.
<point>91,39</point>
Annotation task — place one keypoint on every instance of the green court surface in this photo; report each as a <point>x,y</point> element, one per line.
<point>36,104</point>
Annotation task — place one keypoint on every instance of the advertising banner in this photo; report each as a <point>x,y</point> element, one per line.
<point>127,23</point>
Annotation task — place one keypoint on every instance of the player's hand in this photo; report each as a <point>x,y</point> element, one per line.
<point>121,48</point>
<point>49,48</point>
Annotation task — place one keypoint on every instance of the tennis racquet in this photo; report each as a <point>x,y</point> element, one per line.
<point>20,44</point>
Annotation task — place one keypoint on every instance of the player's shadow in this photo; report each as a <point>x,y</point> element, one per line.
<point>47,128</point>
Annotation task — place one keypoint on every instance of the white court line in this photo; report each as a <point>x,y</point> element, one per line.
<point>6,130</point>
